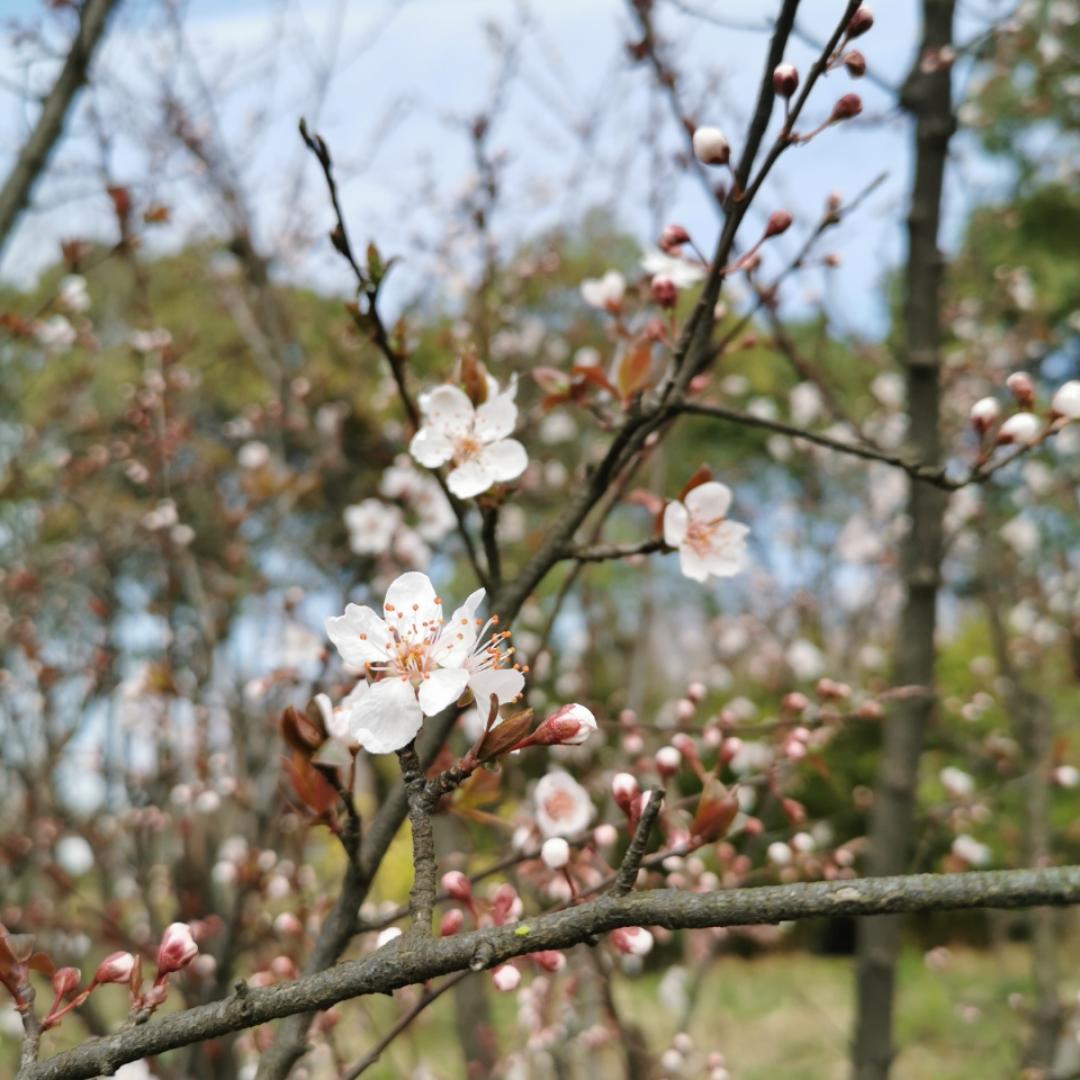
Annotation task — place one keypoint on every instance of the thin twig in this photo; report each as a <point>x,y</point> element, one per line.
<point>628,870</point>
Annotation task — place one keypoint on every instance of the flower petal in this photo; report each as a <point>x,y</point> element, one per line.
<point>505,683</point>
<point>459,635</point>
<point>708,501</point>
<point>442,688</point>
<point>495,419</point>
<point>504,460</point>
<point>448,410</point>
<point>360,636</point>
<point>676,522</point>
<point>469,479</point>
<point>693,565</point>
<point>431,448</point>
<point>727,549</point>
<point>387,718</point>
<point>412,607</point>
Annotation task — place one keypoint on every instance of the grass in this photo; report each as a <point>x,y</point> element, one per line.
<point>778,1015</point>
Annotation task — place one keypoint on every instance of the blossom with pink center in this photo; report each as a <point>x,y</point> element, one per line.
<point>563,806</point>
<point>474,440</point>
<point>708,543</point>
<point>415,664</point>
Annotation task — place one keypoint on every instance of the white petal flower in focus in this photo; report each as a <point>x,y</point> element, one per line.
<point>473,440</point>
<point>708,543</point>
<point>417,666</point>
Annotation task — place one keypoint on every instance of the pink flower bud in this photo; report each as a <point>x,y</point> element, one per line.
<point>684,744</point>
<point>668,760</point>
<point>549,959</point>
<point>506,905</point>
<point>1066,401</point>
<point>831,690</point>
<point>452,921</point>
<point>624,789</point>
<point>855,63</point>
<point>779,222</point>
<point>632,940</point>
<point>570,725</point>
<point>177,948</point>
<point>672,238</point>
<point>711,147</point>
<point>794,702</point>
<point>605,835</point>
<point>861,21</point>
<point>1022,388</point>
<point>785,79</point>
<point>65,981</point>
<point>555,854</point>
<point>684,709</point>
<point>664,291</point>
<point>984,414</point>
<point>117,967</point>
<point>1022,428</point>
<point>848,107</point>
<point>288,925</point>
<point>457,886</point>
<point>696,692</point>
<point>506,977</point>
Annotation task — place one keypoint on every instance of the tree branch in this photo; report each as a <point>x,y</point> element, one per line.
<point>416,960</point>
<point>34,155</point>
<point>628,871</point>
<point>422,895</point>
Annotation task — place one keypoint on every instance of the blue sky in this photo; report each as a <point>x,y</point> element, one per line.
<point>394,112</point>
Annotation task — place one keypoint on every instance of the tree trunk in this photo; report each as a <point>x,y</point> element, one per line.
<point>34,155</point>
<point>926,95</point>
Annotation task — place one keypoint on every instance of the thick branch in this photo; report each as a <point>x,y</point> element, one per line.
<point>416,960</point>
<point>35,152</point>
<point>422,896</point>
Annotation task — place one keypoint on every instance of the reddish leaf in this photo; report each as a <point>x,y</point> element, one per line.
<point>312,788</point>
<point>702,475</point>
<point>634,368</point>
<point>716,811</point>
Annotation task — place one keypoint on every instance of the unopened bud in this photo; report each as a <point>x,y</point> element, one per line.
<point>65,981</point>
<point>288,925</point>
<point>779,222</point>
<point>452,921</point>
<point>1022,428</point>
<point>624,789</point>
<point>391,933</point>
<point>457,886</point>
<point>785,79</point>
<point>711,147</point>
<point>668,760</point>
<point>506,977</point>
<point>1066,401</point>
<point>1022,388</point>
<point>855,63</point>
<point>555,854</point>
<point>117,967</point>
<point>861,21</point>
<point>177,948</point>
<point>664,291</point>
<point>848,107</point>
<point>795,702</point>
<point>570,725</point>
<point>549,959</point>
<point>632,940</point>
<point>672,238</point>
<point>984,414</point>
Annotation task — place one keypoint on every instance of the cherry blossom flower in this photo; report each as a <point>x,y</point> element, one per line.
<point>474,440</point>
<point>72,293</point>
<point>372,525</point>
<point>681,273</point>
<point>555,853</point>
<point>417,666</point>
<point>563,806</point>
<point>708,543</point>
<point>1023,428</point>
<point>56,333</point>
<point>605,293</point>
<point>971,851</point>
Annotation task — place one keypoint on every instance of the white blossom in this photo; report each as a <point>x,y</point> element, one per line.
<point>1066,401</point>
<point>416,665</point>
<point>683,274</point>
<point>1023,428</point>
<point>56,333</point>
<point>971,851</point>
<point>372,525</point>
<point>72,293</point>
<point>474,440</point>
<point>563,806</point>
<point>707,542</point>
<point>605,293</point>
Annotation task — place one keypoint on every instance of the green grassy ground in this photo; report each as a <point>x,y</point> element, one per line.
<point>781,1015</point>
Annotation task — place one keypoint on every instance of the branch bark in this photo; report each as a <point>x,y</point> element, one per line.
<point>927,95</point>
<point>410,960</point>
<point>34,155</point>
